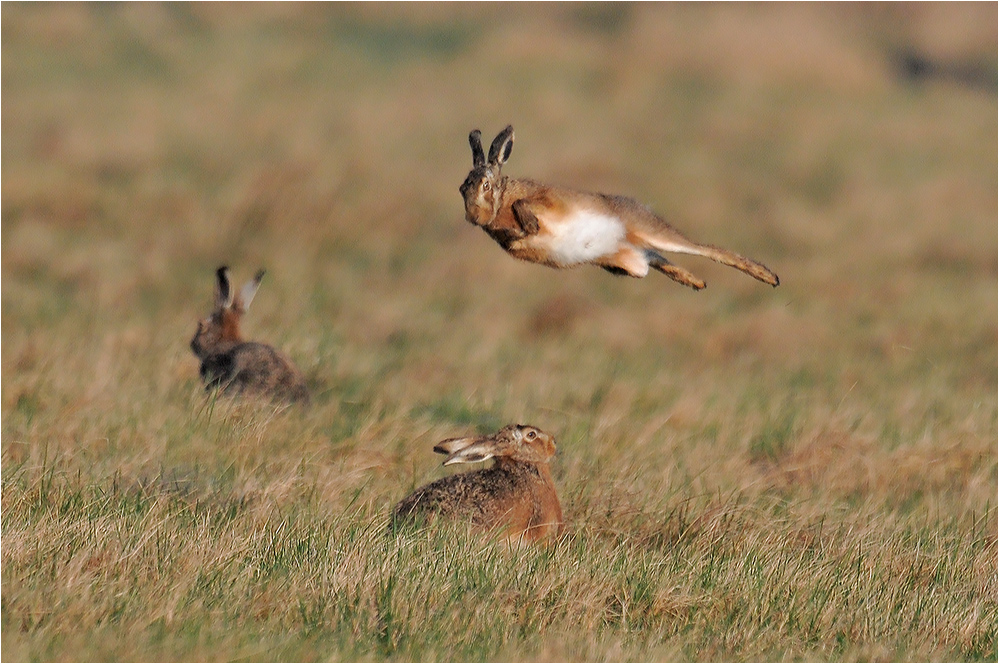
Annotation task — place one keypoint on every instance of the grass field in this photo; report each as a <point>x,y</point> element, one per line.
<point>807,472</point>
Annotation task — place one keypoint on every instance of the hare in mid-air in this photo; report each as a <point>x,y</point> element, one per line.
<point>562,228</point>
<point>516,495</point>
<point>234,365</point>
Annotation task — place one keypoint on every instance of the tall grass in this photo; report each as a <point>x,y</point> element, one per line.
<point>746,473</point>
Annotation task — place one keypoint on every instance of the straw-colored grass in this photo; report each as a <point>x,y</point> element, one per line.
<point>801,473</point>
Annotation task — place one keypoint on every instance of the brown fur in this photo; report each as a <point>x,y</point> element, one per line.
<point>237,366</point>
<point>516,495</point>
<point>519,214</point>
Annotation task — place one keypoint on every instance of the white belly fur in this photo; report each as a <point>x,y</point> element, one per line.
<point>580,236</point>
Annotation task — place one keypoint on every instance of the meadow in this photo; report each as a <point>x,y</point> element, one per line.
<point>747,473</point>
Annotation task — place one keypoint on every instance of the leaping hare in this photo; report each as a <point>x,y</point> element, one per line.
<point>516,494</point>
<point>562,228</point>
<point>235,365</point>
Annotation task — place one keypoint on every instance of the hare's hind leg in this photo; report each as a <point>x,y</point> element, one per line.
<point>674,242</point>
<point>749,266</point>
<point>674,272</point>
<point>634,262</point>
<point>628,260</point>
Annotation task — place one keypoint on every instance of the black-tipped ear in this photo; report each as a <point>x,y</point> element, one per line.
<point>502,145</point>
<point>223,292</point>
<point>477,452</point>
<point>452,446</point>
<point>478,158</point>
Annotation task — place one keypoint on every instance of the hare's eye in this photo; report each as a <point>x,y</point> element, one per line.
<point>486,185</point>
<point>530,436</point>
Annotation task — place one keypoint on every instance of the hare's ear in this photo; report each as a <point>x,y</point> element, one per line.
<point>249,289</point>
<point>478,158</point>
<point>452,446</point>
<point>223,292</point>
<point>477,452</point>
<point>502,145</point>
<point>466,450</point>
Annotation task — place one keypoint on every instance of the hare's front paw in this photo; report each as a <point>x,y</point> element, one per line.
<point>524,217</point>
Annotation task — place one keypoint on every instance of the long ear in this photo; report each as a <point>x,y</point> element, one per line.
<point>477,452</point>
<point>249,290</point>
<point>502,145</point>
<point>451,446</point>
<point>223,292</point>
<point>466,450</point>
<point>478,159</point>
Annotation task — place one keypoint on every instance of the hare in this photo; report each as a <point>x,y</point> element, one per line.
<point>562,228</point>
<point>237,366</point>
<point>516,494</point>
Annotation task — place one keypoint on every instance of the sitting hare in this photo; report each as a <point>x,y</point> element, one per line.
<point>234,365</point>
<point>562,228</point>
<point>516,494</point>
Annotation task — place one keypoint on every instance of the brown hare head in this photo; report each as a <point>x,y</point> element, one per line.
<point>222,327</point>
<point>521,443</point>
<point>481,189</point>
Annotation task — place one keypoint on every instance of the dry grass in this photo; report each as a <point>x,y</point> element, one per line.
<point>801,473</point>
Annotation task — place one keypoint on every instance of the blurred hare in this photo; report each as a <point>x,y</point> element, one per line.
<point>562,228</point>
<point>234,365</point>
<point>516,494</point>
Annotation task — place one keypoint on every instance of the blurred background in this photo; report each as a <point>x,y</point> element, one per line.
<point>851,148</point>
